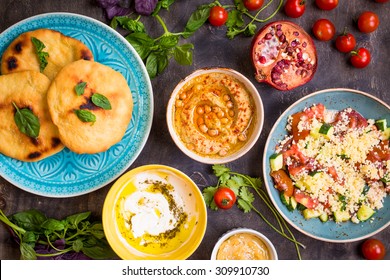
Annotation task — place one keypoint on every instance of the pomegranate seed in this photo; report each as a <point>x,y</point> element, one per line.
<point>268,36</point>
<point>282,38</point>
<point>262,59</point>
<point>304,44</point>
<point>296,33</point>
<point>278,27</point>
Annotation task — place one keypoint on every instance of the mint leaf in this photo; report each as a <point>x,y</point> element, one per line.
<point>39,46</point>
<point>85,116</point>
<point>80,88</point>
<point>27,122</point>
<point>101,101</point>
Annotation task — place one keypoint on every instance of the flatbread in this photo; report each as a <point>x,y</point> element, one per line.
<point>110,125</point>
<point>27,90</point>
<point>21,54</point>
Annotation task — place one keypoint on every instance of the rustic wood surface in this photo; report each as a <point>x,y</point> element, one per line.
<point>212,48</point>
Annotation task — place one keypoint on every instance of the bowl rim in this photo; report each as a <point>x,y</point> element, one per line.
<point>109,224</point>
<point>265,164</point>
<point>259,114</point>
<point>229,233</point>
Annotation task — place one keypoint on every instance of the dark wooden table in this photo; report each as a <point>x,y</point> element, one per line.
<point>212,48</point>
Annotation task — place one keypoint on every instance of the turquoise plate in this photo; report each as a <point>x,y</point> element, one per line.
<point>68,174</point>
<point>337,99</point>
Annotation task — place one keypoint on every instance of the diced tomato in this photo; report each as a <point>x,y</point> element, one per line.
<point>316,111</point>
<point>355,120</point>
<point>283,182</point>
<point>299,161</point>
<point>305,199</point>
<point>381,152</point>
<point>296,118</point>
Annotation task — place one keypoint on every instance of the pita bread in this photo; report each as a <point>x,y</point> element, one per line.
<point>21,54</point>
<point>26,89</point>
<point>110,125</point>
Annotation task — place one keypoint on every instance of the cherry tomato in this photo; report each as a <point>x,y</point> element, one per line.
<point>253,5</point>
<point>218,16</point>
<point>324,29</point>
<point>381,1</point>
<point>224,198</point>
<point>360,58</point>
<point>368,22</point>
<point>327,4</point>
<point>373,249</point>
<point>345,42</point>
<point>295,8</point>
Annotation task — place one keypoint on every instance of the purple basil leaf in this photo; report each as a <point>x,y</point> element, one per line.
<point>145,7</point>
<point>116,11</point>
<point>59,244</point>
<point>107,3</point>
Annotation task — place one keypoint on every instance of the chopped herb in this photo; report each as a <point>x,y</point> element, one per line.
<point>42,56</point>
<point>80,88</point>
<point>27,122</point>
<point>85,116</point>
<point>101,101</point>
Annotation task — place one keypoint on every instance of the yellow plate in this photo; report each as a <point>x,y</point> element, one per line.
<point>157,224</point>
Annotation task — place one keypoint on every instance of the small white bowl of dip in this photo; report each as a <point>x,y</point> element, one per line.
<point>244,244</point>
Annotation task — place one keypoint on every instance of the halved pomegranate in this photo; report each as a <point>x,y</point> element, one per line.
<point>284,55</point>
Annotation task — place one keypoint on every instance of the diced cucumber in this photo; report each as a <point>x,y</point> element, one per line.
<point>310,213</point>
<point>364,213</point>
<point>341,216</point>
<point>324,217</point>
<point>285,199</point>
<point>381,124</point>
<point>293,203</point>
<point>387,133</point>
<point>326,129</point>
<point>276,161</point>
<point>300,185</point>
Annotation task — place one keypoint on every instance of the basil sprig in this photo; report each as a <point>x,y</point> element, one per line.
<point>42,56</point>
<point>27,122</point>
<point>101,101</point>
<point>85,116</point>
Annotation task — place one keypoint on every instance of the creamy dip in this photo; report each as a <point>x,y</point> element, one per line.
<point>243,246</point>
<point>151,214</point>
<point>214,114</point>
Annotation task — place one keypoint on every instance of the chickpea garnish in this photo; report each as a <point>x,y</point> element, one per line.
<point>213,132</point>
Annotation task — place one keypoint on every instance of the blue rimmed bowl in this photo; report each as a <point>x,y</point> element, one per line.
<point>334,99</point>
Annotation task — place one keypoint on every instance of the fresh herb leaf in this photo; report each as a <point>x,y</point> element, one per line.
<point>77,245</point>
<point>80,88</point>
<point>27,252</point>
<point>183,54</point>
<point>197,19</point>
<point>53,225</point>
<point>145,7</point>
<point>142,43</point>
<point>27,122</point>
<point>85,116</point>
<point>133,25</point>
<point>208,195</point>
<point>42,56</point>
<point>220,169</point>
<point>101,101</point>
<point>30,220</point>
<point>74,220</point>
<point>243,205</point>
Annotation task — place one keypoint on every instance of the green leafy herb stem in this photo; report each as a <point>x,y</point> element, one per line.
<point>76,232</point>
<point>241,184</point>
<point>42,56</point>
<point>26,121</point>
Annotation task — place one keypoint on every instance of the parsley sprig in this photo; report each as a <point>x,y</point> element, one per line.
<point>243,185</point>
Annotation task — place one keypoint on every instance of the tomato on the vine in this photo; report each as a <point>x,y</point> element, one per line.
<point>324,29</point>
<point>224,198</point>
<point>373,249</point>
<point>295,8</point>
<point>253,5</point>
<point>218,16</point>
<point>345,42</point>
<point>368,22</point>
<point>360,58</point>
<point>327,4</point>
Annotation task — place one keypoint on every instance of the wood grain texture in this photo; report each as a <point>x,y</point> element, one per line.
<point>212,48</point>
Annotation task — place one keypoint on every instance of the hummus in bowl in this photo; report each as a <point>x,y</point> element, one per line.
<point>244,244</point>
<point>154,212</point>
<point>215,115</point>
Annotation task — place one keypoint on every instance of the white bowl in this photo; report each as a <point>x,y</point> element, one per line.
<point>258,113</point>
<point>271,249</point>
